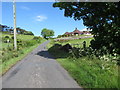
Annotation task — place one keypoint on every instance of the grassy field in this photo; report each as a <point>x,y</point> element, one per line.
<point>19,36</point>
<point>89,72</point>
<point>11,57</point>
<point>79,42</point>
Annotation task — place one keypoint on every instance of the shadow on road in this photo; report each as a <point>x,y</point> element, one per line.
<point>45,54</point>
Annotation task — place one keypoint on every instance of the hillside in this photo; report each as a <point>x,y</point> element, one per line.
<point>25,44</point>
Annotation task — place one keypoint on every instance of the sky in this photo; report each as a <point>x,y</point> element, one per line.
<point>34,16</point>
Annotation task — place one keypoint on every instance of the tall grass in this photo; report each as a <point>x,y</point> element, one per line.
<point>90,74</point>
<point>6,65</point>
<point>88,71</point>
<point>25,44</point>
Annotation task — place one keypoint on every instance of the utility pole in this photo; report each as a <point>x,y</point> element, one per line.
<point>14,15</point>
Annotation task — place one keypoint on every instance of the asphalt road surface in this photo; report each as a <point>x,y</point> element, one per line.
<point>38,70</point>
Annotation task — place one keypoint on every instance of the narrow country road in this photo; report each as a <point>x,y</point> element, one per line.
<point>38,70</point>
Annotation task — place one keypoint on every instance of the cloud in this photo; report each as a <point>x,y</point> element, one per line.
<point>85,29</point>
<point>41,18</point>
<point>25,8</point>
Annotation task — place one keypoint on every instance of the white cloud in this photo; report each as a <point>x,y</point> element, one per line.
<point>85,29</point>
<point>25,8</point>
<point>41,18</point>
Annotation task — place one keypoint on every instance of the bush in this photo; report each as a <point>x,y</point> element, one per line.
<point>15,54</point>
<point>38,39</point>
<point>75,53</point>
<point>7,37</point>
<point>12,37</point>
<point>9,52</point>
<point>9,48</point>
<point>28,33</point>
<point>35,38</point>
<point>19,41</point>
<point>7,56</point>
<point>59,36</point>
<point>66,47</point>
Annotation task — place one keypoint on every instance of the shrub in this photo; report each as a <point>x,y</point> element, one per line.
<point>7,56</point>
<point>7,37</point>
<point>35,38</point>
<point>28,33</point>
<point>19,41</point>
<point>9,48</point>
<point>38,39</point>
<point>12,37</point>
<point>15,53</point>
<point>3,49</point>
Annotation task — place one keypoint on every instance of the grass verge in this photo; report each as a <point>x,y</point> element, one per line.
<point>89,72</point>
<point>9,63</point>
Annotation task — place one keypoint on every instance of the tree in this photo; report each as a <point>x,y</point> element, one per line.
<point>103,18</point>
<point>46,33</point>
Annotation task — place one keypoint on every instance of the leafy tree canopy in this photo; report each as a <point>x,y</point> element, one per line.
<point>46,33</point>
<point>103,18</point>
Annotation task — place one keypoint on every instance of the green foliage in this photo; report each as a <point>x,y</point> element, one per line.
<point>28,33</point>
<point>9,56</point>
<point>90,68</point>
<point>35,38</point>
<point>23,41</point>
<point>46,33</point>
<point>12,37</point>
<point>59,36</point>
<point>9,30</point>
<point>89,73</point>
<point>102,18</point>
<point>7,37</point>
<point>38,39</point>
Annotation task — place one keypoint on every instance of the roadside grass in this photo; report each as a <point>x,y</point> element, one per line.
<point>89,72</point>
<point>5,45</point>
<point>8,64</point>
<point>10,57</point>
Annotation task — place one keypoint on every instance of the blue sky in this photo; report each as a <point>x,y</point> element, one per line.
<point>34,16</point>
